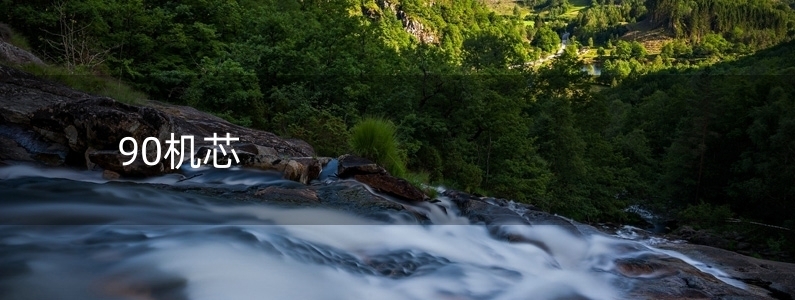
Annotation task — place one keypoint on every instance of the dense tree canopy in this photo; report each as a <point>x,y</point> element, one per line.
<point>760,23</point>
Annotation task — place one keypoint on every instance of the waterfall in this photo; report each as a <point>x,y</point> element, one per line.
<point>68,234</point>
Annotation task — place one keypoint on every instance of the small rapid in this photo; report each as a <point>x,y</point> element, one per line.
<point>68,234</point>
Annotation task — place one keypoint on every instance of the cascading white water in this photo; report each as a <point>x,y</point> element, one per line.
<point>130,240</point>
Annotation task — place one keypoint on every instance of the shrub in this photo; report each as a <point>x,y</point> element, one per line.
<point>375,139</point>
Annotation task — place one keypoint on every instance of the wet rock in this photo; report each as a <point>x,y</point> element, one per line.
<point>113,161</point>
<point>309,169</point>
<point>664,277</point>
<point>52,124</point>
<point>287,195</point>
<point>98,125</point>
<point>353,197</point>
<point>189,121</point>
<point>494,211</point>
<point>21,94</point>
<point>350,165</point>
<point>301,169</point>
<point>478,210</point>
<point>398,187</point>
<point>375,176</point>
<point>110,175</point>
<point>11,150</point>
<point>646,267</point>
<point>771,277</point>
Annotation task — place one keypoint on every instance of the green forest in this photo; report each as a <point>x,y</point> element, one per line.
<point>702,131</point>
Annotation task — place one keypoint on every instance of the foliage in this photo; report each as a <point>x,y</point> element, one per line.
<point>224,86</point>
<point>719,133</point>
<point>758,23</point>
<point>546,39</point>
<point>605,19</point>
<point>704,215</point>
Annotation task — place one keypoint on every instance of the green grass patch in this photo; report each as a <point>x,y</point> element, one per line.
<point>421,181</point>
<point>376,139</point>
<point>505,7</point>
<point>87,82</point>
<point>19,41</point>
<point>589,54</point>
<point>576,7</point>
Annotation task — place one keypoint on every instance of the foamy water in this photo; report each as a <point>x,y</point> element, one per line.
<point>74,235</point>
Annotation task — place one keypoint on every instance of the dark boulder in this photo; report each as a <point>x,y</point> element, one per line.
<point>770,278</point>
<point>375,176</point>
<point>350,165</point>
<point>394,186</point>
<point>109,160</point>
<point>92,128</point>
<point>479,211</point>
<point>287,195</point>
<point>665,277</point>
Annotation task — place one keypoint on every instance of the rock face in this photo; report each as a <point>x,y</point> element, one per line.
<point>410,24</point>
<point>378,178</point>
<point>664,277</point>
<point>769,278</point>
<point>48,123</point>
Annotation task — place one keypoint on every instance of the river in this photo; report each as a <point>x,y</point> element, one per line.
<point>69,234</point>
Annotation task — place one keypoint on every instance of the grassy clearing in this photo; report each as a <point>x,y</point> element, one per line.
<point>590,55</point>
<point>505,7</point>
<point>576,7</point>
<point>87,82</point>
<point>652,38</point>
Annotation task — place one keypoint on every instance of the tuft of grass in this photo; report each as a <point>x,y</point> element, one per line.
<point>376,139</point>
<point>87,82</point>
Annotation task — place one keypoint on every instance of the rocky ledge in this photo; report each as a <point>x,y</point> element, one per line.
<point>48,123</point>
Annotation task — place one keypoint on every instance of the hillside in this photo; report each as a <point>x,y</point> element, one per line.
<point>716,141</point>
<point>652,38</point>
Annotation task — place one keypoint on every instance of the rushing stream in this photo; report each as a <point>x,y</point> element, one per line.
<point>73,235</point>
